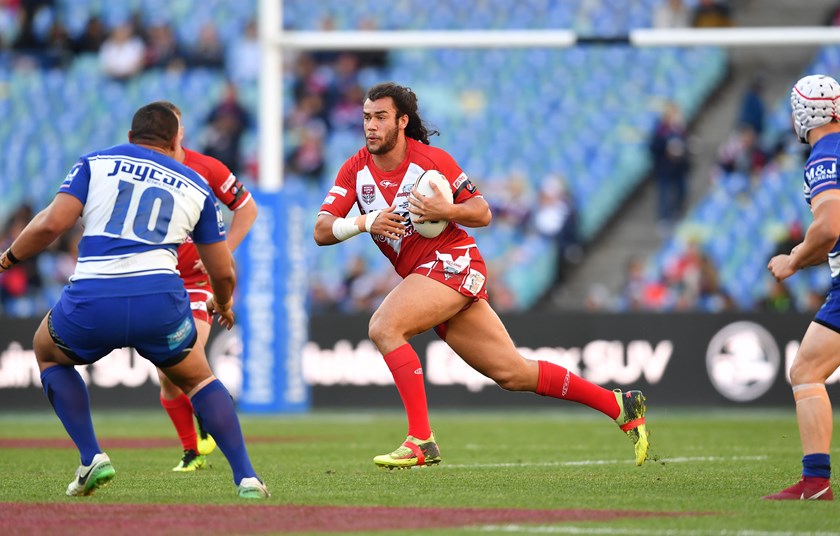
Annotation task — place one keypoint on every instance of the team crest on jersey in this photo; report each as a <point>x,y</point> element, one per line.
<point>368,193</point>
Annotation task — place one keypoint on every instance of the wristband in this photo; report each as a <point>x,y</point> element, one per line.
<point>344,228</point>
<point>12,259</point>
<point>8,256</point>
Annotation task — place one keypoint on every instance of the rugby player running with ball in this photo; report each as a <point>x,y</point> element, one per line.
<point>444,278</point>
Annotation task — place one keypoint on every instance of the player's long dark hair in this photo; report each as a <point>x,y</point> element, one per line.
<point>406,103</point>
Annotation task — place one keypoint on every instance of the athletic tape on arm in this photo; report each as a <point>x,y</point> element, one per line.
<point>344,228</point>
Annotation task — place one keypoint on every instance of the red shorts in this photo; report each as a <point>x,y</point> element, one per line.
<point>461,268</point>
<point>199,294</point>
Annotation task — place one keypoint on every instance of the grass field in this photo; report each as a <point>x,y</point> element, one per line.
<point>714,467</point>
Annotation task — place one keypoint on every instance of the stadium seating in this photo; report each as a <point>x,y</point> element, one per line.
<point>582,113</point>
<point>741,222</point>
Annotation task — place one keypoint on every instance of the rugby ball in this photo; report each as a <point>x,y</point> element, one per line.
<point>423,185</point>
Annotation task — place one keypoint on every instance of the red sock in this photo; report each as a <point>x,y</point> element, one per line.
<point>180,410</point>
<point>408,376</point>
<point>557,382</point>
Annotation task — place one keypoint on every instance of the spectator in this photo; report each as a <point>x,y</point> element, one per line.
<point>243,61</point>
<point>10,14</point>
<point>778,298</point>
<point>669,150</point>
<point>634,287</point>
<point>555,217</point>
<point>163,50</point>
<point>227,123</point>
<point>208,51</point>
<point>712,14</point>
<point>92,37</point>
<point>741,153</point>
<point>19,286</point>
<point>29,39</point>
<point>671,14</point>
<point>514,206</point>
<point>58,47</point>
<point>308,78</point>
<point>123,53</point>
<point>752,106</point>
<point>712,297</point>
<point>345,76</point>
<point>307,159</point>
<point>347,112</point>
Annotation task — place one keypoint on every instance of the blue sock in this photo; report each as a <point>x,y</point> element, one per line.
<point>214,407</point>
<point>68,395</point>
<point>816,465</point>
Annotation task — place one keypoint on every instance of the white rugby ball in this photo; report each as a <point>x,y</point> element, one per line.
<point>423,185</point>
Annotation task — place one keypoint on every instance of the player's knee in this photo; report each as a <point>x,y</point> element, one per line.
<point>803,371</point>
<point>380,331</point>
<point>509,380</point>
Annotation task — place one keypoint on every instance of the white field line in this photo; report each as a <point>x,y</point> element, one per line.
<point>684,459</point>
<point>647,532</point>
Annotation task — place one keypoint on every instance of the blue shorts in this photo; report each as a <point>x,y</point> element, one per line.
<point>159,325</point>
<point>829,313</point>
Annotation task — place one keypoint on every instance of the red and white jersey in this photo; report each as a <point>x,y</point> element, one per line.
<point>228,190</point>
<point>359,181</point>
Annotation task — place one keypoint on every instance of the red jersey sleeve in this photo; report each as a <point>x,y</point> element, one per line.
<point>226,187</point>
<point>342,196</point>
<point>462,187</point>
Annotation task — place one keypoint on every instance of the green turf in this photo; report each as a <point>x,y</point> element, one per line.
<point>718,463</point>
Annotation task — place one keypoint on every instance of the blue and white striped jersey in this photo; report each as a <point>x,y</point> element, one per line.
<point>139,206</point>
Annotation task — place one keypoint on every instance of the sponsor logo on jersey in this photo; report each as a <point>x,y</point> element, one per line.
<point>329,199</point>
<point>228,183</point>
<point>338,190</point>
<point>406,190</point>
<point>368,193</point>
<point>71,175</point>
<point>147,173</point>
<point>176,338</point>
<point>387,184</point>
<point>463,183</point>
<point>460,180</point>
<point>473,283</point>
<point>824,169</point>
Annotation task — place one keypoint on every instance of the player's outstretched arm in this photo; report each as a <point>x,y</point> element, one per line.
<point>61,215</point>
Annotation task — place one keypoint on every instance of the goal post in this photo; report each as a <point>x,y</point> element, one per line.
<point>275,40</point>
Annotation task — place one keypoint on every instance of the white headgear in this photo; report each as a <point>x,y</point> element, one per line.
<point>814,101</point>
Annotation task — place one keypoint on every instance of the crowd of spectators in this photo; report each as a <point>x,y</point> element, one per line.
<point>33,35</point>
<point>327,98</point>
<point>326,95</point>
<point>31,287</point>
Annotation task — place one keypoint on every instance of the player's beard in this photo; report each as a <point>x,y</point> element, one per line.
<point>389,141</point>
